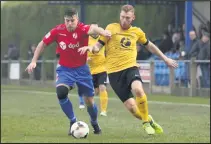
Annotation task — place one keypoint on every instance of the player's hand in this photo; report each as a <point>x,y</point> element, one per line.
<point>171,63</point>
<point>88,59</point>
<point>84,49</point>
<point>30,67</point>
<point>107,33</point>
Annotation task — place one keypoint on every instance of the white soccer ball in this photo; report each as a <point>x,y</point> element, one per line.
<point>79,130</point>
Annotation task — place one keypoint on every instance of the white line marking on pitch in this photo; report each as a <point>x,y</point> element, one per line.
<point>73,94</point>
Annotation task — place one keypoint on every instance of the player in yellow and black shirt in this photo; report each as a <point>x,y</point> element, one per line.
<point>122,68</point>
<point>96,64</point>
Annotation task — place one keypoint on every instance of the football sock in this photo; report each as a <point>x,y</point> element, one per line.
<point>143,107</point>
<point>67,108</point>
<point>92,110</point>
<point>137,113</point>
<point>103,101</point>
<point>81,100</point>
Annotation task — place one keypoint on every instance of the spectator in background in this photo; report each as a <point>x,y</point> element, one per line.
<point>203,49</point>
<point>194,40</point>
<point>183,32</point>
<point>188,54</point>
<point>202,29</point>
<point>176,36</point>
<point>166,43</point>
<point>13,53</point>
<point>170,30</point>
<point>37,71</point>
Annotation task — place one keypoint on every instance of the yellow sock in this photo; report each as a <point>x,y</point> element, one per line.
<point>137,113</point>
<point>143,107</point>
<point>103,101</point>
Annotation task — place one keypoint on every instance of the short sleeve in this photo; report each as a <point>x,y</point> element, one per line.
<point>50,36</point>
<point>85,28</point>
<point>142,37</point>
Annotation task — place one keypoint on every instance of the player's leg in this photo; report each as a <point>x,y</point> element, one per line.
<point>118,83</point>
<point>94,80</point>
<point>102,78</point>
<point>81,101</point>
<point>134,80</point>
<point>63,84</point>
<point>97,91</point>
<point>85,86</point>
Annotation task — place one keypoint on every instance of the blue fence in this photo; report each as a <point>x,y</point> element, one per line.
<point>162,71</point>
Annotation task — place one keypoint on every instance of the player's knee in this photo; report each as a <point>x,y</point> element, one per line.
<point>62,92</point>
<point>89,100</point>
<point>139,91</point>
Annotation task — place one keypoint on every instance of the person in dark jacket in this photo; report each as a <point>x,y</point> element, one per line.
<point>37,71</point>
<point>194,40</point>
<point>203,49</point>
<point>166,44</point>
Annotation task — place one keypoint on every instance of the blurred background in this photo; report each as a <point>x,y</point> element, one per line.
<point>180,29</point>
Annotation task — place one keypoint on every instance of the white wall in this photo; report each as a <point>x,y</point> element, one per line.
<point>204,8</point>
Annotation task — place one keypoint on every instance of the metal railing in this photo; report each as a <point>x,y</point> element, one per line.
<point>48,67</point>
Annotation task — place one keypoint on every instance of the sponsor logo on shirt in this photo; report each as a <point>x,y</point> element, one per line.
<point>62,45</point>
<point>72,46</point>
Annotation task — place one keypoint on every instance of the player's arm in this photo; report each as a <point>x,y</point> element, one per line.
<point>48,39</point>
<point>96,48</point>
<point>95,30</point>
<point>155,50</point>
<point>101,42</point>
<point>93,49</point>
<point>38,51</point>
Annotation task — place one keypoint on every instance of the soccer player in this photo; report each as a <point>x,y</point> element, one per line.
<point>96,64</point>
<point>121,65</point>
<point>73,68</point>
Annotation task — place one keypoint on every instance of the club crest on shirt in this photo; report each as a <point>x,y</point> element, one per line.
<point>75,35</point>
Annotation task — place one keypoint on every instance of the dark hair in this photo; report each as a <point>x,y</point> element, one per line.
<point>206,34</point>
<point>70,12</point>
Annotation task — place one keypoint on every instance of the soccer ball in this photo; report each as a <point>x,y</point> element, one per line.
<point>79,130</point>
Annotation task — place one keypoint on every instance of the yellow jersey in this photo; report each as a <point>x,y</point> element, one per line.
<point>121,51</point>
<point>96,61</point>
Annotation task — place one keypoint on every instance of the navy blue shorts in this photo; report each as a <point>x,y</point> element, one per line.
<point>80,76</point>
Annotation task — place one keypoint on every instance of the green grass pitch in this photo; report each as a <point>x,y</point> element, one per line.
<point>32,114</point>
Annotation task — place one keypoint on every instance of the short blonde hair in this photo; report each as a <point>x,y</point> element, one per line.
<point>127,8</point>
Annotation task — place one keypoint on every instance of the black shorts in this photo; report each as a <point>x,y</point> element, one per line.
<point>121,82</point>
<point>99,79</point>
